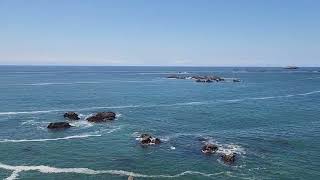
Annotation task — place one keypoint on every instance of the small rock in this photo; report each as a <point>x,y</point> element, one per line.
<point>229,158</point>
<point>209,148</point>
<point>58,125</point>
<point>102,117</point>
<point>147,139</point>
<point>156,141</point>
<point>71,115</point>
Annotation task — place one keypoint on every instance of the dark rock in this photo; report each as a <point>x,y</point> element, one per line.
<point>102,117</point>
<point>71,115</point>
<point>156,141</point>
<point>209,148</point>
<point>148,139</point>
<point>59,125</point>
<point>145,140</point>
<point>204,80</point>
<point>229,158</point>
<point>291,67</point>
<point>207,79</point>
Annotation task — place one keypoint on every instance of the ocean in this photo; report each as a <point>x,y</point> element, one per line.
<point>271,120</point>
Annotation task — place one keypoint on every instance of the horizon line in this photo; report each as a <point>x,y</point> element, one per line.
<point>84,65</point>
<point>200,66</point>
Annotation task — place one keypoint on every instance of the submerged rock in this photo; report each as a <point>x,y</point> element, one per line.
<point>209,148</point>
<point>228,158</point>
<point>71,115</point>
<point>147,139</point>
<point>102,117</point>
<point>58,125</point>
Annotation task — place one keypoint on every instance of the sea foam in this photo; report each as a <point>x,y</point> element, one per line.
<point>53,139</point>
<point>48,169</point>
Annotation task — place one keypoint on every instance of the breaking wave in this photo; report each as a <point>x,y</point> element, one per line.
<point>226,148</point>
<point>48,169</point>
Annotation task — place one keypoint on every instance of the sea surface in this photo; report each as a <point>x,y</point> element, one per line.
<point>271,119</point>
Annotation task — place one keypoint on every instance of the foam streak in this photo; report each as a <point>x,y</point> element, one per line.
<point>47,169</point>
<point>55,139</point>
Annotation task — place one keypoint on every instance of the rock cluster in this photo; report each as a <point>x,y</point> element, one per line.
<point>207,78</point>
<point>98,117</point>
<point>209,148</point>
<point>227,158</point>
<point>197,78</point>
<point>147,139</point>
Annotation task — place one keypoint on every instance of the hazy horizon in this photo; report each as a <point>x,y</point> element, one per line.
<point>167,33</point>
<point>87,65</point>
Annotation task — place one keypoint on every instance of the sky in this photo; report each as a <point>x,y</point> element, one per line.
<point>160,33</point>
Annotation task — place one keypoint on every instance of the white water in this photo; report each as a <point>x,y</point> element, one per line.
<point>48,169</point>
<point>53,139</point>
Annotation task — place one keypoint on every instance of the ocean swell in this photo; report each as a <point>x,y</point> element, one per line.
<point>163,105</point>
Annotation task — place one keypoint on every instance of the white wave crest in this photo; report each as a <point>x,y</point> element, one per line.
<point>47,169</point>
<point>53,139</point>
<point>308,93</point>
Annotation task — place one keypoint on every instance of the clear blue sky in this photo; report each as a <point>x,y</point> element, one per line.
<point>165,32</point>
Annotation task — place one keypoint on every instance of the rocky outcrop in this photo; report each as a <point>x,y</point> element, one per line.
<point>209,148</point>
<point>102,117</point>
<point>58,125</point>
<point>291,67</point>
<point>204,80</point>
<point>147,139</point>
<point>207,79</point>
<point>198,78</point>
<point>228,158</point>
<point>71,115</point>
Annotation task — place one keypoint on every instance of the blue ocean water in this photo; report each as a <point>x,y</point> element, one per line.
<point>270,119</point>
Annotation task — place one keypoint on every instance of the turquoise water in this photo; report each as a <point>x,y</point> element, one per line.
<point>270,119</point>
